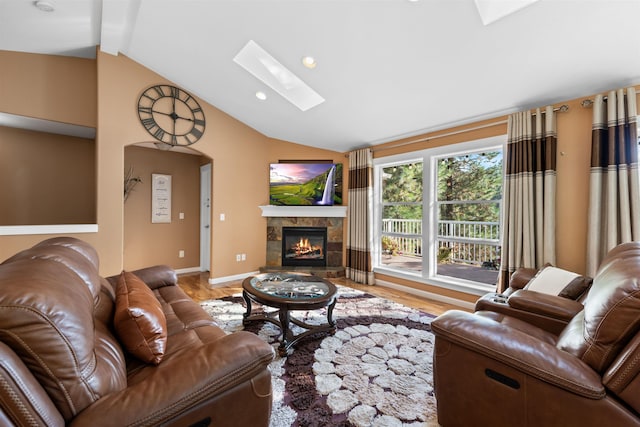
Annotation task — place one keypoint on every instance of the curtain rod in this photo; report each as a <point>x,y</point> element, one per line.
<point>563,108</point>
<point>589,102</point>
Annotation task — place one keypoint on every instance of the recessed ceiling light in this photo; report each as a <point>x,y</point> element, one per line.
<point>309,62</point>
<point>45,5</point>
<point>261,95</point>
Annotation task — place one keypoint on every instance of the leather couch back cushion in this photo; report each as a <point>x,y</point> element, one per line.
<point>73,260</point>
<point>46,309</point>
<point>139,319</point>
<point>610,317</point>
<point>79,246</point>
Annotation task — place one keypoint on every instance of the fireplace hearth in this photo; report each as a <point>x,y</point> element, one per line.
<point>304,246</point>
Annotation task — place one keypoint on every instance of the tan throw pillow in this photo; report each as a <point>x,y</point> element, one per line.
<point>139,320</point>
<point>556,281</point>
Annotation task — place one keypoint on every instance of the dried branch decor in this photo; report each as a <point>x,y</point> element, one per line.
<point>130,182</point>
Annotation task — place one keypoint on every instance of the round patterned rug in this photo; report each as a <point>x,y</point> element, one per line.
<point>376,370</point>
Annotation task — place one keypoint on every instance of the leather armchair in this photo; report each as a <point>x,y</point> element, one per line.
<point>549,312</point>
<point>492,369</point>
<point>62,362</point>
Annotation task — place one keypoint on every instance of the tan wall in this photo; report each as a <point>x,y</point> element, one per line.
<point>52,88</point>
<point>225,140</point>
<point>47,87</point>
<point>240,158</point>
<point>46,178</point>
<point>240,155</point>
<point>147,243</point>
<point>574,156</point>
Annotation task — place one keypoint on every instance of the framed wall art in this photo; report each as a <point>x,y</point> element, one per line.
<point>160,198</point>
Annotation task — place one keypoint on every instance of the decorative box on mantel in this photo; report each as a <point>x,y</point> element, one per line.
<point>330,217</point>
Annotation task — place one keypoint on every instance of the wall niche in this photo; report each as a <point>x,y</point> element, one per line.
<point>47,173</point>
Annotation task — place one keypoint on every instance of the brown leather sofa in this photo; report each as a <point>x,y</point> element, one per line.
<point>63,361</point>
<point>494,369</point>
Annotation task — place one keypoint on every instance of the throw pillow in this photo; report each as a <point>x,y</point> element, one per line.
<point>556,281</point>
<point>139,320</point>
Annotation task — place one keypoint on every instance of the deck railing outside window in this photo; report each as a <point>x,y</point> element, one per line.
<point>472,242</point>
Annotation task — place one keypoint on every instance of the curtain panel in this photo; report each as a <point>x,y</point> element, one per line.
<point>359,217</point>
<point>614,196</point>
<point>528,221</point>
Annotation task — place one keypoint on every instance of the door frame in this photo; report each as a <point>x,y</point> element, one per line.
<point>205,217</point>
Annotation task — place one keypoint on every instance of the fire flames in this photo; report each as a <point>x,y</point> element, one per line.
<point>304,247</point>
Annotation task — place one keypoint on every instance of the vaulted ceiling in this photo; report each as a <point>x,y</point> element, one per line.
<point>386,69</point>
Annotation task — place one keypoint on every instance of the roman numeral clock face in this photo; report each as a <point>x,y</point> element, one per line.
<point>171,115</point>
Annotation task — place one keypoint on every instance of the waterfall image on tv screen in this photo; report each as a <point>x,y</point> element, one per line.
<point>300,184</point>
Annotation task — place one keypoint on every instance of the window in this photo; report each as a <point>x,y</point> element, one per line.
<point>438,214</point>
<point>469,192</point>
<point>401,226</point>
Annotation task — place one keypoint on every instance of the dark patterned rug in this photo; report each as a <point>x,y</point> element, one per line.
<point>376,370</point>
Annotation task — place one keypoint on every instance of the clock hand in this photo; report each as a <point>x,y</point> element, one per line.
<point>174,116</point>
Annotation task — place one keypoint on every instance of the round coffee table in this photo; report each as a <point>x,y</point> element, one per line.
<point>289,292</point>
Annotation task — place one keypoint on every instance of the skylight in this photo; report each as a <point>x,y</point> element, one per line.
<point>492,10</point>
<point>271,72</point>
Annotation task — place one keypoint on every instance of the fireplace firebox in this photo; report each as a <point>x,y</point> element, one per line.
<point>304,246</point>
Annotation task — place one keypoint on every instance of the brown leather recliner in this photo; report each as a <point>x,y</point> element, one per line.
<point>549,312</point>
<point>62,362</point>
<point>492,369</point>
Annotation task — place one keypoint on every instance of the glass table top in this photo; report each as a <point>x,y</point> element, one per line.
<point>291,286</point>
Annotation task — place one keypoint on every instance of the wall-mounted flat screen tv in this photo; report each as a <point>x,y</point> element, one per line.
<point>305,184</point>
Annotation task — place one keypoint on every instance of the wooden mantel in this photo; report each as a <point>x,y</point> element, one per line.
<point>304,211</point>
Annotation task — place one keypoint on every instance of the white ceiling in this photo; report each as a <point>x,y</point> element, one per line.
<point>386,68</point>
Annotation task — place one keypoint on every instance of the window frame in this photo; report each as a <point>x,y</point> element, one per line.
<point>429,158</point>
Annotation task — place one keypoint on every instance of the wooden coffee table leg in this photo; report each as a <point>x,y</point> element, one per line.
<point>247,300</point>
<point>330,320</point>
<point>285,318</point>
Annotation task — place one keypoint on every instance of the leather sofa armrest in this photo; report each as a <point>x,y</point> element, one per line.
<point>544,304</point>
<point>22,396</point>
<point>155,277</point>
<point>518,350</point>
<point>182,383</point>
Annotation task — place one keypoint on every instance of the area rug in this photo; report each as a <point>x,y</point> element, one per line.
<point>376,370</point>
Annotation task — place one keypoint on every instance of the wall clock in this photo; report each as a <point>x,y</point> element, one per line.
<point>171,115</point>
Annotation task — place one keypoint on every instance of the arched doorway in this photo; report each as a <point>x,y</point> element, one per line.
<point>175,241</point>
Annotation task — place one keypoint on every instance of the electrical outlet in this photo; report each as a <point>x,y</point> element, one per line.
<point>238,258</point>
<point>181,254</point>
<point>244,257</point>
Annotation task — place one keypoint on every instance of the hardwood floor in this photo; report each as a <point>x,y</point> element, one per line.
<point>197,287</point>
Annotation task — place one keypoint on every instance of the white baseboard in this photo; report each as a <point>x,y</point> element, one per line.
<point>188,270</point>
<point>219,280</point>
<point>425,294</point>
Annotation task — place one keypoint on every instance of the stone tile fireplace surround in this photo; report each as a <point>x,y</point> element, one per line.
<point>313,216</point>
